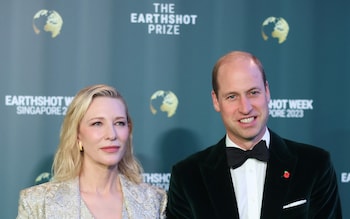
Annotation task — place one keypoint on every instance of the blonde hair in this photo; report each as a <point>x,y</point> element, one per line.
<point>68,159</point>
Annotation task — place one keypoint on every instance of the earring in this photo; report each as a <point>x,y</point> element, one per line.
<point>81,149</point>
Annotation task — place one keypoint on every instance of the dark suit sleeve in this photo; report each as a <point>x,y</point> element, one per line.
<point>178,206</point>
<point>325,200</point>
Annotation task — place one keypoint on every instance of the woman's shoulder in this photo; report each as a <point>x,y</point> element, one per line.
<point>152,189</point>
<point>144,200</point>
<point>49,200</point>
<point>142,189</point>
<point>34,196</point>
<point>40,188</point>
<point>44,189</point>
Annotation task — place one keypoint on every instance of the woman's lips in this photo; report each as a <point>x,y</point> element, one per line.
<point>110,149</point>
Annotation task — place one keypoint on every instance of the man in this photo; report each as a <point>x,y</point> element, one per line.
<point>290,179</point>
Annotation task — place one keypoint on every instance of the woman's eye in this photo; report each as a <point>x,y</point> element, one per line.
<point>120,123</point>
<point>97,124</point>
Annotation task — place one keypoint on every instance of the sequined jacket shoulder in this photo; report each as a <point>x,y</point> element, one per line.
<point>62,200</point>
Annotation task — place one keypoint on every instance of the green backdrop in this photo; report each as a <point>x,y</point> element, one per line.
<point>159,54</point>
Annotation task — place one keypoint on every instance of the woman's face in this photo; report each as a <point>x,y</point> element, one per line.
<point>104,132</point>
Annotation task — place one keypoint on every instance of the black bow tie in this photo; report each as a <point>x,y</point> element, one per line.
<point>236,157</point>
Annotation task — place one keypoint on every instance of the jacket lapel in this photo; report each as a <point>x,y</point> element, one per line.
<point>63,199</point>
<point>132,199</point>
<point>217,179</point>
<point>280,168</point>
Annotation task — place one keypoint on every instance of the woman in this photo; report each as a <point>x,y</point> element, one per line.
<point>95,174</point>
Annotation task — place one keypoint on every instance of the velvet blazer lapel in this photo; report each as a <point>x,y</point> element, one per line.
<point>280,168</point>
<point>217,179</point>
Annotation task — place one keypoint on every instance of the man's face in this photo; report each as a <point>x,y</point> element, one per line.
<point>242,100</point>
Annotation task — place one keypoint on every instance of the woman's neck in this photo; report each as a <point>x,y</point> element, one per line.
<point>99,180</point>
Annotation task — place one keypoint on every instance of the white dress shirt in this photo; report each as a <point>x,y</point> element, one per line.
<point>248,183</point>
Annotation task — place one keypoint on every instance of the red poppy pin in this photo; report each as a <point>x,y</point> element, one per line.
<point>286,174</point>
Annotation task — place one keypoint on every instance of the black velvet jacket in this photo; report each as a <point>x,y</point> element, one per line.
<point>201,185</point>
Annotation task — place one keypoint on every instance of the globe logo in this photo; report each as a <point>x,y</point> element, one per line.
<point>42,178</point>
<point>275,28</point>
<point>48,21</point>
<point>165,101</point>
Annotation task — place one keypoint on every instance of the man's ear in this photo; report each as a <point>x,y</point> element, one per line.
<point>215,101</point>
<point>267,90</point>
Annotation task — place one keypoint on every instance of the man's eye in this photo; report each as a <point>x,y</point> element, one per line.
<point>231,97</point>
<point>255,92</point>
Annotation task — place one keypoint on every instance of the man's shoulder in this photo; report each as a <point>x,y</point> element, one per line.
<point>205,155</point>
<point>200,155</point>
<point>305,149</point>
<point>298,148</point>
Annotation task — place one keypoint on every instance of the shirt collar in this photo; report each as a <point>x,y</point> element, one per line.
<point>266,138</point>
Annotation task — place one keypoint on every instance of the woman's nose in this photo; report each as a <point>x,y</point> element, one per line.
<point>111,132</point>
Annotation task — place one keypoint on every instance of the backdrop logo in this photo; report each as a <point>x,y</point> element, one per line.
<point>163,20</point>
<point>165,101</point>
<point>38,105</point>
<point>160,180</point>
<point>43,178</point>
<point>47,21</point>
<point>289,108</point>
<point>345,177</point>
<point>276,28</point>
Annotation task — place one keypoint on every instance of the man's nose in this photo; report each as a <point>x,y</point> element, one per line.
<point>245,105</point>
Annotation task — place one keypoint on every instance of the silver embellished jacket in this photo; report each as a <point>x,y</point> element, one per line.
<point>62,200</point>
